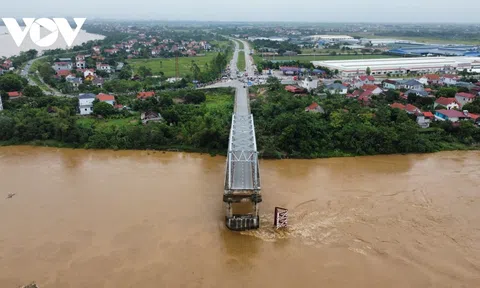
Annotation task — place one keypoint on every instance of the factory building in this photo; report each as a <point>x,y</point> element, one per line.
<point>384,66</point>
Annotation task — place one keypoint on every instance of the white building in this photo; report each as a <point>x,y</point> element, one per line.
<point>89,72</point>
<point>85,103</point>
<point>81,64</point>
<point>333,38</point>
<point>309,84</point>
<point>399,65</point>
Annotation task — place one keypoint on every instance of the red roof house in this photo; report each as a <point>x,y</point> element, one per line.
<point>367,78</point>
<point>428,114</point>
<point>314,107</point>
<point>411,109</point>
<point>14,94</point>
<point>398,106</point>
<point>293,89</point>
<point>145,95</point>
<point>105,97</point>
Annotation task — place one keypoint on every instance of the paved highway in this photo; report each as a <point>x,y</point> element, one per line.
<point>243,142</point>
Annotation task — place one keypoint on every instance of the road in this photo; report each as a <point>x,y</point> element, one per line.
<point>242,142</point>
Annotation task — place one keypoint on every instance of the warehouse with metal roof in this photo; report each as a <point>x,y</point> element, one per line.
<point>400,65</point>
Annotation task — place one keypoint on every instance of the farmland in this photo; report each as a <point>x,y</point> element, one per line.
<point>167,65</point>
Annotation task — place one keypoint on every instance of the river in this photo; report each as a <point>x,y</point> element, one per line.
<point>153,219</point>
<point>9,48</point>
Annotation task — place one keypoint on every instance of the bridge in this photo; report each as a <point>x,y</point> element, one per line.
<point>242,178</point>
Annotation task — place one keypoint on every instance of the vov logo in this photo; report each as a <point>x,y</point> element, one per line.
<point>33,26</point>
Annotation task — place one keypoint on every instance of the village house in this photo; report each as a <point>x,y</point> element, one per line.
<point>96,49</point>
<point>309,84</point>
<point>80,64</point>
<point>14,95</point>
<point>411,84</point>
<point>294,89</point>
<point>89,74</point>
<point>448,80</point>
<point>74,81</point>
<point>145,95</point>
<point>464,98</point>
<point>449,103</point>
<point>111,51</point>
<point>454,115</point>
<point>397,106</point>
<point>337,88</point>
<point>150,116</point>
<point>410,109</point>
<point>85,103</point>
<point>103,67</point>
<point>62,66</point>
<point>429,79</point>
<point>390,84</point>
<point>418,93</point>
<point>365,79</point>
<point>110,99</point>
<point>424,119</point>
<point>63,73</point>
<point>375,90</point>
<point>98,81</point>
<point>80,57</point>
<point>7,64</point>
<point>315,108</point>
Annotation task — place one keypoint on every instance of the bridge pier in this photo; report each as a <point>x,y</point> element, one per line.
<point>238,219</point>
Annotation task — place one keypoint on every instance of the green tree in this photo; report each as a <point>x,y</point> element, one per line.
<point>274,83</point>
<point>33,91</point>
<point>7,125</point>
<point>46,71</point>
<point>125,74</point>
<point>473,107</point>
<point>195,70</point>
<point>103,108</point>
<point>144,72</point>
<point>11,82</point>
<point>368,71</point>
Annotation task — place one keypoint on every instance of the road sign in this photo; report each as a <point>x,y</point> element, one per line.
<point>281,216</point>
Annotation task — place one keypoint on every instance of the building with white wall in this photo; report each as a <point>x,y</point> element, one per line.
<point>400,65</point>
<point>333,38</point>
<point>85,103</point>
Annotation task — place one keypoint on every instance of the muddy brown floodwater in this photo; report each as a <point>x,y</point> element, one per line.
<point>152,219</point>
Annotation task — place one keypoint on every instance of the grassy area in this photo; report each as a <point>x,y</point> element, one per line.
<point>167,65</point>
<point>39,83</point>
<point>241,45</point>
<point>241,61</point>
<point>306,59</point>
<point>218,99</point>
<point>36,64</point>
<point>87,121</point>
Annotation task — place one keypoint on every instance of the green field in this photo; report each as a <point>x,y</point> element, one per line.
<point>241,61</point>
<point>87,121</point>
<point>240,43</point>
<point>167,65</point>
<point>218,99</point>
<point>306,59</point>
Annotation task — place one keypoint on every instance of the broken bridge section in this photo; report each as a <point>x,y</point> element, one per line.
<point>242,178</point>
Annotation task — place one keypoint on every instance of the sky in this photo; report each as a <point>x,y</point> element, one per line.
<point>403,11</point>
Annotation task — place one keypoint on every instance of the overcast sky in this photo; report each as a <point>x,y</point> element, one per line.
<point>252,10</point>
